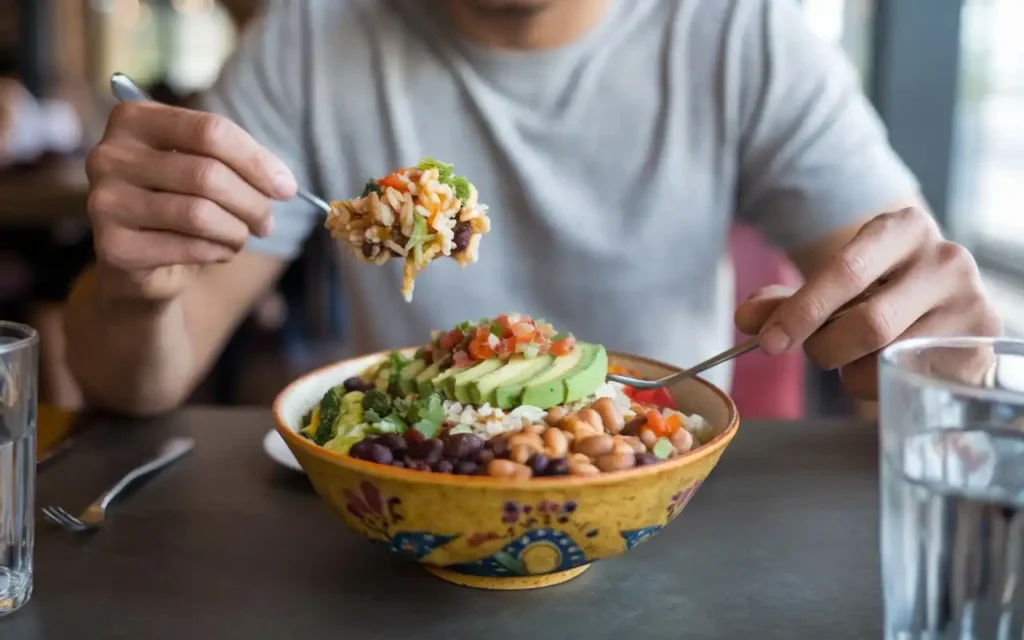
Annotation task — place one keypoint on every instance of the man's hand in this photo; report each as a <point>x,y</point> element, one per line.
<point>172,190</point>
<point>927,286</point>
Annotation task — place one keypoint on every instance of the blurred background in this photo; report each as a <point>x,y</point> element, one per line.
<point>947,76</point>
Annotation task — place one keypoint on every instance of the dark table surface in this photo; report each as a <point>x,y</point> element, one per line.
<point>781,542</point>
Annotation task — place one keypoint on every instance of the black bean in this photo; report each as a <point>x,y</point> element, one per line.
<point>645,459</point>
<point>430,451</point>
<point>539,463</point>
<point>463,232</point>
<point>381,454</point>
<point>393,441</point>
<point>557,467</point>
<point>444,466</point>
<point>361,449</point>
<point>370,249</point>
<point>462,445</point>
<point>634,426</point>
<point>466,468</point>
<point>419,465</point>
<point>398,464</point>
<point>483,457</point>
<point>355,383</point>
<point>499,446</point>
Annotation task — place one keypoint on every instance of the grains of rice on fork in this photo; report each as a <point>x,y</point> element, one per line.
<point>417,214</point>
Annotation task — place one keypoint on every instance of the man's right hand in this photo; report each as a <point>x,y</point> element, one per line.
<point>172,190</point>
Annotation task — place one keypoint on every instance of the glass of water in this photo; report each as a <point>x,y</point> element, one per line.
<point>18,394</point>
<point>952,482</point>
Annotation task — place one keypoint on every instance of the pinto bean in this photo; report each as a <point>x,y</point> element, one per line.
<point>593,418</point>
<point>529,440</point>
<point>555,415</point>
<point>556,445</point>
<point>520,453</point>
<point>583,469</point>
<point>508,470</point>
<point>610,414</point>
<point>682,440</point>
<point>619,445</point>
<point>634,442</point>
<point>594,446</point>
<point>535,429</point>
<point>616,461</point>
<point>577,427</point>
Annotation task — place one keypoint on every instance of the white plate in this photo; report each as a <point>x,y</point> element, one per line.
<point>278,451</point>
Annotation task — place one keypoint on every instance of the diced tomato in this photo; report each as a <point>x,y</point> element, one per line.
<point>672,423</point>
<point>451,339</point>
<point>461,359</point>
<point>507,347</point>
<point>562,347</point>
<point>523,332</point>
<point>657,397</point>
<point>480,350</point>
<point>393,181</point>
<point>656,423</point>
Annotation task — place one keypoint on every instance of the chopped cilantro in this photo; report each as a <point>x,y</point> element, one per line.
<point>377,402</point>
<point>462,188</point>
<point>446,175</point>
<point>444,170</point>
<point>392,423</point>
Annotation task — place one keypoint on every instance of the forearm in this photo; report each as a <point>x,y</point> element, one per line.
<point>127,356</point>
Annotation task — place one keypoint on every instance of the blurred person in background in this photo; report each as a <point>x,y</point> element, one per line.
<point>616,141</point>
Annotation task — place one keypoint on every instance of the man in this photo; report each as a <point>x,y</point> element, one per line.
<point>615,141</point>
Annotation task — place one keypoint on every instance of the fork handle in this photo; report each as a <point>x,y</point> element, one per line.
<point>172,450</point>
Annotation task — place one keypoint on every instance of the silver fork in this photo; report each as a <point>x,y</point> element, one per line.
<point>95,514</point>
<point>725,356</point>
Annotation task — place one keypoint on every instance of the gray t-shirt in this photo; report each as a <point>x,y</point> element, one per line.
<point>613,167</point>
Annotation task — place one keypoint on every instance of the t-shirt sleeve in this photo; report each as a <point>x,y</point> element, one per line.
<point>814,155</point>
<point>261,88</point>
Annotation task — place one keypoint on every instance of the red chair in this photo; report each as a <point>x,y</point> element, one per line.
<point>764,387</point>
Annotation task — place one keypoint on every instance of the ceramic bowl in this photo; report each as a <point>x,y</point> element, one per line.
<point>500,534</point>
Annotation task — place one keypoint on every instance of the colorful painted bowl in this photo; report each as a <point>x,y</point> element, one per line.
<point>499,534</point>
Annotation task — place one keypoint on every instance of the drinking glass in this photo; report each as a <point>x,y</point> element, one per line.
<point>952,484</point>
<point>18,392</point>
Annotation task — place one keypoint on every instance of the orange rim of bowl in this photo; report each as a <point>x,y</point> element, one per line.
<point>382,471</point>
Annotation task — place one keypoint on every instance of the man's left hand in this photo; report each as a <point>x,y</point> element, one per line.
<point>927,286</point>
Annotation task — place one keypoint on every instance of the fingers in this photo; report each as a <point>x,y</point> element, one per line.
<point>204,134</point>
<point>132,208</point>
<point>185,174</point>
<point>130,250</point>
<point>969,365</point>
<point>754,311</point>
<point>881,246</point>
<point>885,316</point>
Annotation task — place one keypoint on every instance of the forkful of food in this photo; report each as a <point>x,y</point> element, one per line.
<point>416,214</point>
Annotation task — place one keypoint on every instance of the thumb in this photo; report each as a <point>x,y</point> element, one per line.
<point>754,311</point>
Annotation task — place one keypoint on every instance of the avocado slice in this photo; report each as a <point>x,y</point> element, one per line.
<point>548,390</point>
<point>507,395</point>
<point>423,380</point>
<point>482,390</point>
<point>438,382</point>
<point>588,374</point>
<point>457,386</point>
<point>407,379</point>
